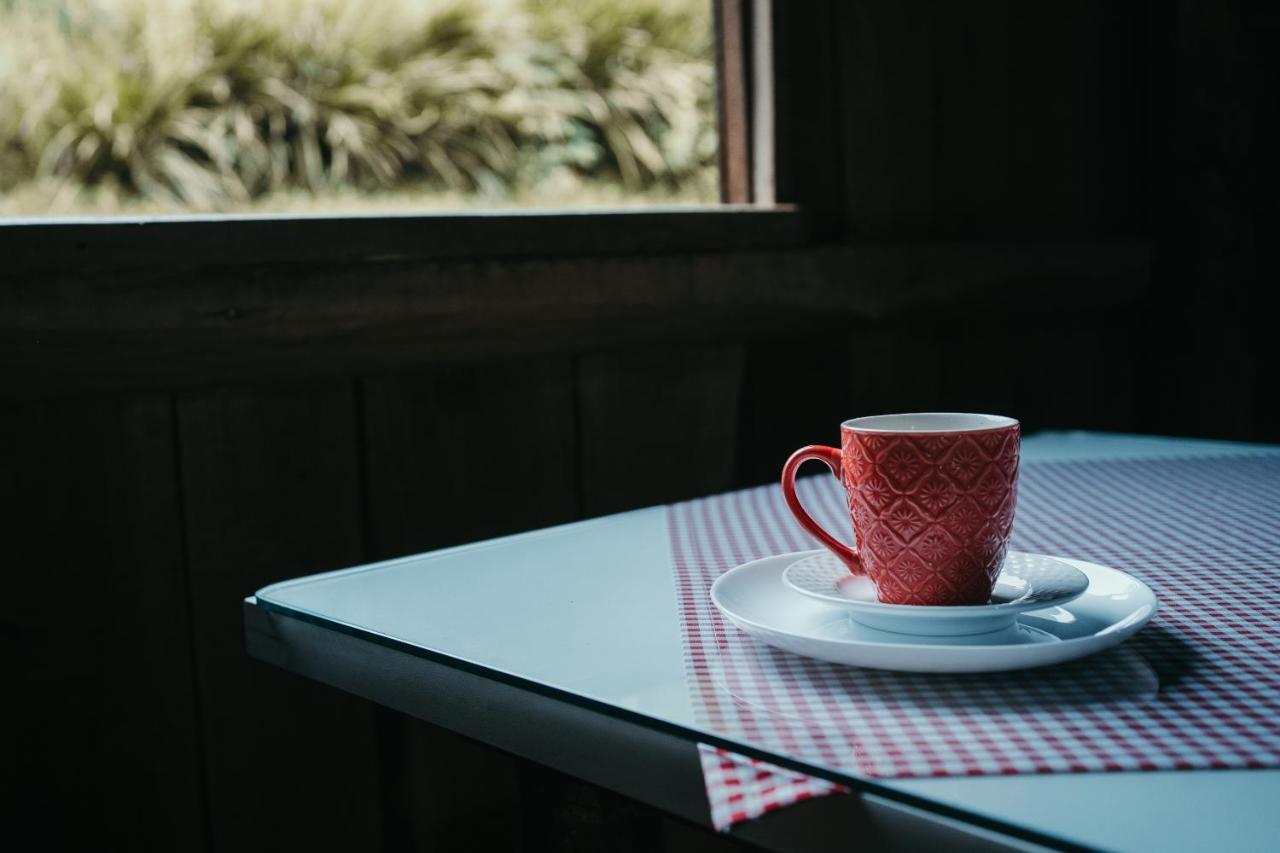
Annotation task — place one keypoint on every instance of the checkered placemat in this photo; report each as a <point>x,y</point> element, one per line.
<point>1198,688</point>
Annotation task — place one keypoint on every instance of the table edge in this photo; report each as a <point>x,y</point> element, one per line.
<point>858,785</point>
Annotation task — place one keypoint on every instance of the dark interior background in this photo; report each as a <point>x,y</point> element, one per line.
<point>1060,211</point>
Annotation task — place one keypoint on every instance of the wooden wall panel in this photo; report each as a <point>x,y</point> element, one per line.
<point>1061,370</point>
<point>444,792</point>
<point>657,425</point>
<point>795,392</point>
<point>896,368</point>
<point>455,455</point>
<point>272,490</point>
<point>809,148</point>
<point>567,815</point>
<point>995,119</point>
<point>1215,174</point>
<point>1072,373</point>
<point>460,454</point>
<point>973,119</point>
<point>96,617</point>
<point>1056,151</point>
<point>1126,78</point>
<point>888,73</point>
<point>978,355</point>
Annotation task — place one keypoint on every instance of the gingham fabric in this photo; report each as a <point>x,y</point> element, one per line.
<point>741,788</point>
<point>1198,688</point>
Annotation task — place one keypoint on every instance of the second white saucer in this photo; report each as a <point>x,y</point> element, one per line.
<point>1026,582</point>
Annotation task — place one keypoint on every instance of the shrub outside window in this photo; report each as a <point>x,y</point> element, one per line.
<point>141,107</point>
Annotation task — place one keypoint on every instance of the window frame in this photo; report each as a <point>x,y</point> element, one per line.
<point>748,216</point>
<point>161,303</point>
<point>87,245</point>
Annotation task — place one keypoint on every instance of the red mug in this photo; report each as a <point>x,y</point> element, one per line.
<point>931,498</point>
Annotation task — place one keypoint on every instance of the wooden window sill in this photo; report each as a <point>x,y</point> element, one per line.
<point>83,245</point>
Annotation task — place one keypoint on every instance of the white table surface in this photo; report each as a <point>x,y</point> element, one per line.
<point>590,609</point>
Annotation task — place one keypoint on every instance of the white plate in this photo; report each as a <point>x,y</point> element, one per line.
<point>1026,582</point>
<point>754,597</point>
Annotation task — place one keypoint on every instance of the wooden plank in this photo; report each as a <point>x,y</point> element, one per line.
<point>1215,174</point>
<point>466,453</point>
<point>69,333</point>
<point>1047,56</point>
<point>40,247</point>
<point>657,425</point>
<point>795,392</point>
<point>1063,370</point>
<point>455,455</point>
<point>888,77</point>
<point>972,131</point>
<point>271,486</point>
<point>995,119</point>
<point>1076,154</point>
<point>979,356</point>
<point>681,837</point>
<point>897,367</point>
<point>809,135</point>
<point>731,98</point>
<point>1077,372</point>
<point>1126,173</point>
<point>442,791</point>
<point>563,813</point>
<point>106,754</point>
<point>898,281</point>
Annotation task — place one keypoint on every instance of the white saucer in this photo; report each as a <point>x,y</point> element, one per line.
<point>1026,582</point>
<point>754,597</point>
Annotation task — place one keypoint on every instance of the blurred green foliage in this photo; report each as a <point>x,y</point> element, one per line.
<point>216,104</point>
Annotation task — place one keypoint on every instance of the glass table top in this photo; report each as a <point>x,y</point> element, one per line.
<point>588,611</point>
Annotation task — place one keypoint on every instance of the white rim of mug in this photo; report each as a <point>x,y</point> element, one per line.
<point>983,423</point>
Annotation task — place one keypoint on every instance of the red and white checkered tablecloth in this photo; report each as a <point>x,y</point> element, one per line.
<point>1198,688</point>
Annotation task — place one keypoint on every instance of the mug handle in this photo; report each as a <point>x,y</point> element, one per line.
<point>830,456</point>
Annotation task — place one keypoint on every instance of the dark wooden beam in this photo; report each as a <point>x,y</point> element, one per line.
<point>72,333</point>
<point>809,116</point>
<point>270,490</point>
<point>673,409</point>
<point>182,244</point>
<point>106,747</point>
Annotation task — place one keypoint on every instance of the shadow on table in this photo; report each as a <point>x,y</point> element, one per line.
<point>1173,659</point>
<point>1153,663</point>
<point>1137,672</point>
